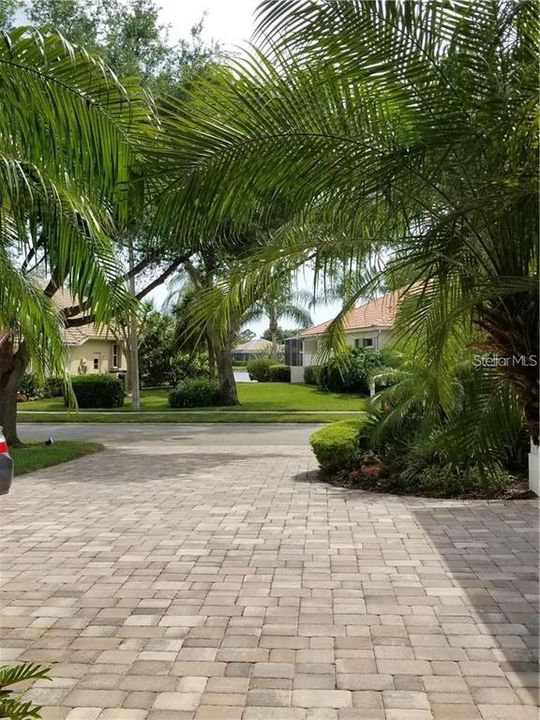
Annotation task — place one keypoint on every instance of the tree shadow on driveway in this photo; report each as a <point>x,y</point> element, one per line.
<point>490,550</point>
<point>473,566</point>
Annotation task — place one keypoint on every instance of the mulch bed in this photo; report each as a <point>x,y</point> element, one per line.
<point>517,488</point>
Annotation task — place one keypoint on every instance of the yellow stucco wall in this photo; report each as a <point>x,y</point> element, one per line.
<point>99,350</point>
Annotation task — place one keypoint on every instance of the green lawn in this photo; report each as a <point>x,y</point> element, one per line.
<point>37,455</point>
<point>253,396</point>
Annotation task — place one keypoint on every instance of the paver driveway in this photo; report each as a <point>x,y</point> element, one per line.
<point>185,573</point>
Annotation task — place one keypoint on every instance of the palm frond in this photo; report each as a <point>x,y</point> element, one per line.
<point>409,128</point>
<point>16,709</point>
<point>9,675</point>
<point>68,142</point>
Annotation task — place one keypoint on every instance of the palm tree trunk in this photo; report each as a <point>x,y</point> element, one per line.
<point>511,324</point>
<point>12,366</point>
<point>228,394</point>
<point>211,356</point>
<point>128,385</point>
<point>273,332</point>
<point>524,380</point>
<point>530,398</point>
<point>274,343</point>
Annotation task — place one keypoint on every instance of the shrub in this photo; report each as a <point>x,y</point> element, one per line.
<point>53,387</point>
<point>98,391</point>
<point>195,392</point>
<point>280,373</point>
<point>260,369</point>
<point>337,446</point>
<point>332,376</point>
<point>186,366</point>
<point>29,385</point>
<point>350,372</point>
<point>311,374</point>
<point>450,479</point>
<point>240,363</point>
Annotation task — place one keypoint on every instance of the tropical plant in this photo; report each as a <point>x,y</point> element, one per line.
<point>156,347</point>
<point>457,414</point>
<point>281,301</point>
<point>128,37</point>
<point>202,274</point>
<point>12,705</point>
<point>407,128</point>
<point>161,362</point>
<point>351,371</point>
<point>65,155</point>
<point>29,385</point>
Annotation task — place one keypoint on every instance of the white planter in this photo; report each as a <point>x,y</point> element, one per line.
<point>534,469</point>
<point>297,374</point>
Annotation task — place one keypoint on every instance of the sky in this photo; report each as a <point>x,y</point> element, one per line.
<point>230,22</point>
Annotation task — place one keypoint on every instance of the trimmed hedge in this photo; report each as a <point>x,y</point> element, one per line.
<point>336,446</point>
<point>195,392</point>
<point>312,374</point>
<point>280,373</point>
<point>259,370</point>
<point>98,391</point>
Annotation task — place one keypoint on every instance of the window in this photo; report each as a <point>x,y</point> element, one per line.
<point>96,362</point>
<point>363,342</point>
<point>294,352</point>
<point>115,356</point>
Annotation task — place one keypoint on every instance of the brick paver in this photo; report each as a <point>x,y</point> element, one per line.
<point>168,581</point>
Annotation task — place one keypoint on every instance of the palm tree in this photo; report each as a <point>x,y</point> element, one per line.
<point>464,417</point>
<point>66,152</point>
<point>406,128</point>
<point>281,302</point>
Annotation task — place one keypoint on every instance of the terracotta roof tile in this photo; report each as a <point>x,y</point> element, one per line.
<point>378,313</point>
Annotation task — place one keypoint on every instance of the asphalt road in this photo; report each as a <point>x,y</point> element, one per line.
<point>198,434</point>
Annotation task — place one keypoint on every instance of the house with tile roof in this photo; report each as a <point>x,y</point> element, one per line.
<point>254,348</point>
<point>368,326</point>
<point>93,350</point>
<point>90,349</point>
